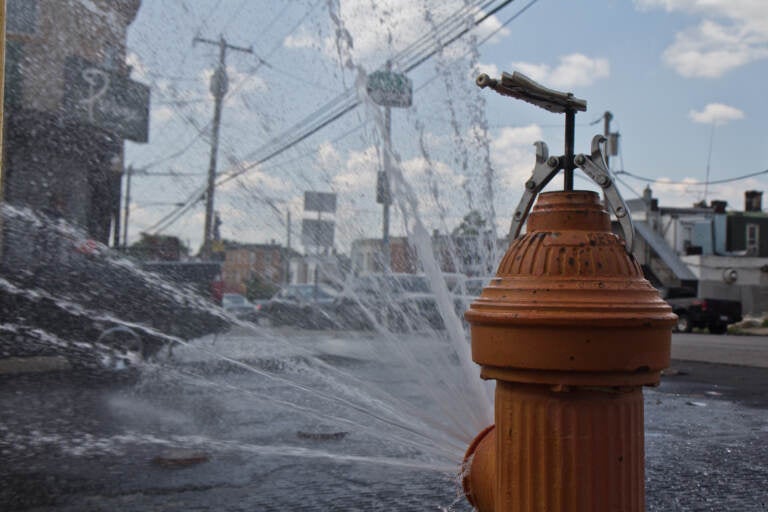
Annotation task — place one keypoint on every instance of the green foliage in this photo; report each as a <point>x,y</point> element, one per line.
<point>159,247</point>
<point>258,289</point>
<point>472,224</point>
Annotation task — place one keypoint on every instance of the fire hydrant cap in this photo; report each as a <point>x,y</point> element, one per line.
<point>568,297</point>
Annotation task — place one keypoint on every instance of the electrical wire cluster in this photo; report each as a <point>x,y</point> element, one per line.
<point>447,31</point>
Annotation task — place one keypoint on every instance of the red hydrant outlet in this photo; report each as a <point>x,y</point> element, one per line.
<point>571,331</point>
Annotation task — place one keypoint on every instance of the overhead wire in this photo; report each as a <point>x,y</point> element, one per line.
<point>344,110</point>
<point>336,108</point>
<point>346,102</point>
<point>659,181</point>
<point>199,193</point>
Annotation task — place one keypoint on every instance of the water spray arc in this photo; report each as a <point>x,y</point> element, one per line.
<point>571,331</point>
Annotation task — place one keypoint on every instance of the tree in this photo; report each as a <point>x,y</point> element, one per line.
<point>257,288</point>
<point>472,224</point>
<point>159,247</point>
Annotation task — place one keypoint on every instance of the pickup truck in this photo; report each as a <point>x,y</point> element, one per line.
<point>714,314</point>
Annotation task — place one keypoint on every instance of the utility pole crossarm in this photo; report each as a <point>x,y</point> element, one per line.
<point>223,42</point>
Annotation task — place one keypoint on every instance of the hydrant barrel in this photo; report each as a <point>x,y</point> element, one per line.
<point>571,330</point>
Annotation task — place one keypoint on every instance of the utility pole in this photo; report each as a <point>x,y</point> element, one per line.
<point>127,206</point>
<point>288,247</point>
<point>385,206</point>
<point>219,85</point>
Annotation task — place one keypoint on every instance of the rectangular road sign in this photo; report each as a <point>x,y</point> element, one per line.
<point>317,233</point>
<point>324,202</point>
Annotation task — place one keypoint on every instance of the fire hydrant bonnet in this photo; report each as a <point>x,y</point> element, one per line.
<point>568,297</point>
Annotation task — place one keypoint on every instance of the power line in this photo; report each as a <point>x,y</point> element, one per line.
<point>170,218</point>
<point>343,104</point>
<point>658,181</point>
<point>344,109</point>
<point>172,155</point>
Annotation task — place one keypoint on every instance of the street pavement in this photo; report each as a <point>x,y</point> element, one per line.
<point>199,432</point>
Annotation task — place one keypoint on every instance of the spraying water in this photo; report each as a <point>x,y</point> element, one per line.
<point>401,394</point>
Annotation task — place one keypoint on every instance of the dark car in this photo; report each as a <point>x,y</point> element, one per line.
<point>396,302</point>
<point>304,305</point>
<point>713,314</point>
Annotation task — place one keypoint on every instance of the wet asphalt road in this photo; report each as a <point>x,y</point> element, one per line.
<point>75,444</point>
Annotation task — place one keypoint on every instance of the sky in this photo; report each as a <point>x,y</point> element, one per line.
<point>684,80</point>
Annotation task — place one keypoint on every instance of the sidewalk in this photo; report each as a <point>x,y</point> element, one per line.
<point>730,349</point>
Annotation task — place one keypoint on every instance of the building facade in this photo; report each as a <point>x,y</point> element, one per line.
<point>468,255</point>
<point>69,106</point>
<point>367,256</point>
<point>704,249</point>
<point>267,262</point>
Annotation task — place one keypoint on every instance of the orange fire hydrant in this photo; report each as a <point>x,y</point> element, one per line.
<point>571,331</point>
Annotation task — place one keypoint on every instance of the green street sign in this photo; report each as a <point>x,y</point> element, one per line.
<point>390,89</point>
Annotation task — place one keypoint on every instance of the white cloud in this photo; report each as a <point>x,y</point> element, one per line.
<point>415,170</point>
<point>254,179</point>
<point>489,26</point>
<point>716,113</point>
<point>687,191</point>
<point>301,39</point>
<point>574,70</point>
<point>514,137</point>
<point>328,157</point>
<point>712,49</point>
<point>513,153</point>
<point>385,27</point>
<point>162,114</point>
<point>731,34</point>
<point>359,172</point>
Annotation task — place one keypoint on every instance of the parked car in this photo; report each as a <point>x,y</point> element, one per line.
<point>304,305</point>
<point>238,306</point>
<point>714,314</point>
<point>62,295</point>
<point>398,302</point>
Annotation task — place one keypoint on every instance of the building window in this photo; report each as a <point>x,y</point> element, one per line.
<point>687,235</point>
<point>14,53</point>
<point>21,16</point>
<point>753,239</point>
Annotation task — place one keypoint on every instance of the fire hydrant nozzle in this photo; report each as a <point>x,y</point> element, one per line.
<point>571,331</point>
